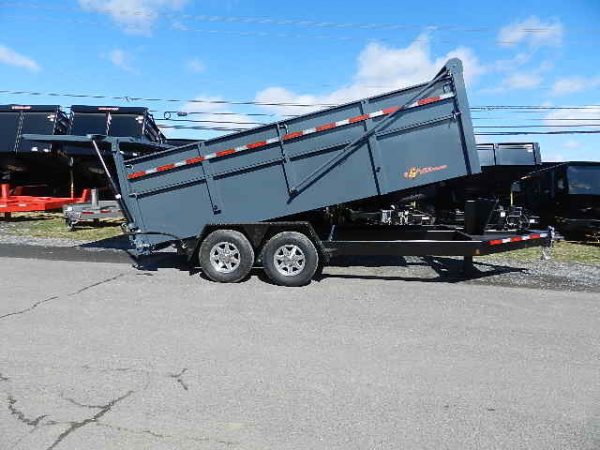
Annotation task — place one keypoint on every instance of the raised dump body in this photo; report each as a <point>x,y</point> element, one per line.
<point>111,121</point>
<point>224,200</point>
<point>396,141</point>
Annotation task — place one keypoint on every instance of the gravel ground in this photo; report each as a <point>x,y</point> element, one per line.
<point>546,275</point>
<point>487,271</point>
<point>497,270</point>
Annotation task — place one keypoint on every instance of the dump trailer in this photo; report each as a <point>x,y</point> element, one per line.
<point>248,198</point>
<point>566,195</point>
<point>106,120</point>
<point>25,162</point>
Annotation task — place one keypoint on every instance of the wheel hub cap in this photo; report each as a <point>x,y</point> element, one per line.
<point>225,257</point>
<point>289,260</point>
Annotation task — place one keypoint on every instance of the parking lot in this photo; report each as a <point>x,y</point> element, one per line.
<point>100,355</point>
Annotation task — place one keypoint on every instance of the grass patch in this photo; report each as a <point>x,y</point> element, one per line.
<point>52,225</point>
<point>563,251</point>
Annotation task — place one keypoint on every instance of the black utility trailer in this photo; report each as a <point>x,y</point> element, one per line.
<point>26,162</point>
<point>108,120</point>
<point>566,195</point>
<point>264,196</point>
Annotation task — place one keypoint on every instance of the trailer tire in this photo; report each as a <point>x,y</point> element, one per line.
<point>226,256</point>
<point>290,259</point>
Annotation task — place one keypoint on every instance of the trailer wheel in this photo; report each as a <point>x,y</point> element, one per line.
<point>226,256</point>
<point>290,259</point>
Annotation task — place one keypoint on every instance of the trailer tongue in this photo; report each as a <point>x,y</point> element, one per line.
<point>228,201</point>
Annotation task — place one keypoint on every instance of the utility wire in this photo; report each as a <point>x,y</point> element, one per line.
<point>224,122</point>
<point>271,21</point>
<point>530,107</point>
<point>213,121</point>
<point>485,133</point>
<point>522,133</point>
<point>540,119</point>
<point>126,98</point>
<point>168,114</point>
<point>182,127</point>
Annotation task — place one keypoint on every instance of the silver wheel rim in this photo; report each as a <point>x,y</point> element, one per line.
<point>225,257</point>
<point>289,260</point>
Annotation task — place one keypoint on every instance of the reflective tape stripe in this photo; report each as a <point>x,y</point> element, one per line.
<point>165,167</point>
<point>526,237</point>
<point>289,136</point>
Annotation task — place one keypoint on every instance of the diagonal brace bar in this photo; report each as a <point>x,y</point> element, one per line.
<point>350,148</point>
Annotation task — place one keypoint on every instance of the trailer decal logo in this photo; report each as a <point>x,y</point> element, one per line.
<point>299,134</point>
<point>414,172</point>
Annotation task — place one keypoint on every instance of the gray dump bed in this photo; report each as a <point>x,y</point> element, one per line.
<point>396,141</point>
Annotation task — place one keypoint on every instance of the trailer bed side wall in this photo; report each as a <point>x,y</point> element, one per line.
<point>282,169</point>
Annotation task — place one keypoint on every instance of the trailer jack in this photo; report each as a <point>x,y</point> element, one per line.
<point>547,248</point>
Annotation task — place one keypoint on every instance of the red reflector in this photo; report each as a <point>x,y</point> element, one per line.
<point>133,175</point>
<point>358,118</point>
<point>391,110</point>
<point>496,242</point>
<point>87,212</point>
<point>293,135</point>
<point>257,144</point>
<point>534,236</point>
<point>225,152</point>
<point>516,239</point>
<point>327,126</point>
<point>165,167</point>
<point>195,160</point>
<point>425,101</point>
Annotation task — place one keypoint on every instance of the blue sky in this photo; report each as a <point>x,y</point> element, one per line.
<point>515,53</point>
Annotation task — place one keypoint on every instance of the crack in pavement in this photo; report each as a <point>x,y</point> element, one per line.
<point>166,436</point>
<point>74,426</point>
<point>41,302</point>
<point>98,283</point>
<point>82,405</point>
<point>31,308</point>
<point>179,379</point>
<point>20,415</point>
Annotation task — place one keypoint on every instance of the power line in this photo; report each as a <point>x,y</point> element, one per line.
<point>183,28</point>
<point>182,127</point>
<point>213,121</point>
<point>168,114</point>
<point>539,126</point>
<point>128,99</point>
<point>529,107</point>
<point>484,133</point>
<point>540,119</point>
<point>224,122</point>
<point>521,133</point>
<point>263,34</point>
<point>271,21</point>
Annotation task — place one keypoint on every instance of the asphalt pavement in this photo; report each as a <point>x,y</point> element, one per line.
<point>99,355</point>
